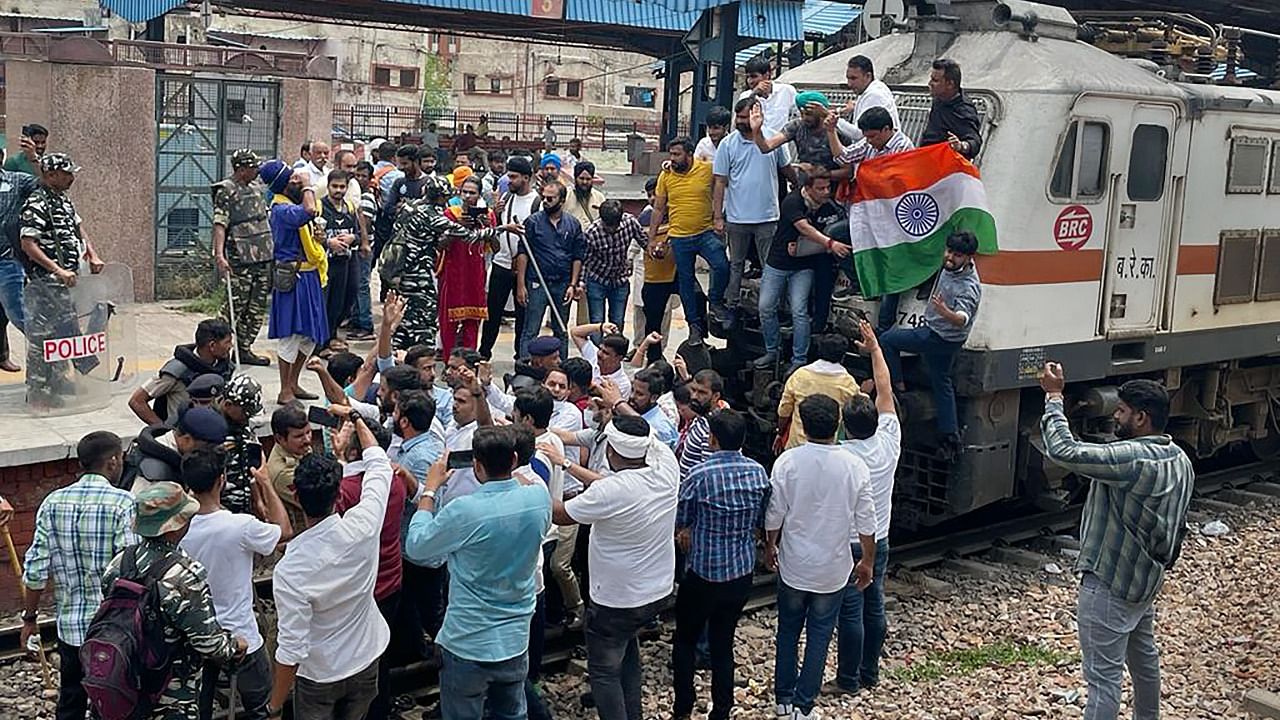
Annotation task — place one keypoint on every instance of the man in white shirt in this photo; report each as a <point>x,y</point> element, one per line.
<point>821,493</point>
<point>330,631</point>
<point>860,76</point>
<point>564,415</point>
<point>631,557</point>
<point>519,203</point>
<point>226,543</point>
<point>608,356</point>
<point>876,439</point>
<point>718,119</point>
<point>777,100</point>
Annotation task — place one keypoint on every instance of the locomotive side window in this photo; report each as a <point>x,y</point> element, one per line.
<point>1247,166</point>
<point>1087,157</point>
<point>1274,187</point>
<point>1147,162</point>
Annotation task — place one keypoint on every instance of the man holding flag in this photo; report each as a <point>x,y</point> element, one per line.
<point>909,208</point>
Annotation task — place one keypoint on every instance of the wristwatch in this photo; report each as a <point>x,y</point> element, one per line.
<point>566,464</point>
<point>429,493</point>
<point>274,712</point>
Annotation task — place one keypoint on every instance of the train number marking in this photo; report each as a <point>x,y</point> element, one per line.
<point>1073,228</point>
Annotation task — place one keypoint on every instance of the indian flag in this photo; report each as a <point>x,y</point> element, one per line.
<point>905,206</point>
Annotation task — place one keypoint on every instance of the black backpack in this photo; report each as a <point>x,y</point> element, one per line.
<point>125,657</point>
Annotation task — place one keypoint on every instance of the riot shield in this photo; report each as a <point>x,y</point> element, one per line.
<point>81,342</point>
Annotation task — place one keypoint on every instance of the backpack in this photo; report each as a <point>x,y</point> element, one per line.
<point>125,657</point>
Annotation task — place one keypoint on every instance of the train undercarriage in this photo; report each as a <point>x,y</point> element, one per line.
<point>1217,408</point>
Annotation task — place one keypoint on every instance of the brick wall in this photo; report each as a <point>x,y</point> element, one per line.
<point>25,486</point>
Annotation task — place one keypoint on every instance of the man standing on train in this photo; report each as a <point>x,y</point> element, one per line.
<point>952,119</point>
<point>1131,533</point>
<point>953,305</point>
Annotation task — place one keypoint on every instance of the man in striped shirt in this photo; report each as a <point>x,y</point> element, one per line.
<point>79,529</point>
<point>722,504</point>
<point>704,399</point>
<point>1131,532</point>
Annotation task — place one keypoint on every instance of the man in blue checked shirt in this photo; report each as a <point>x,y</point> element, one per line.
<point>721,510</point>
<point>79,528</point>
<point>1131,532</point>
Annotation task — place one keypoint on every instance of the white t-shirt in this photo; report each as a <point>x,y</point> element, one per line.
<point>518,208</point>
<point>554,485</point>
<point>706,150</point>
<point>462,482</point>
<point>591,354</point>
<point>820,492</point>
<point>779,107</point>
<point>632,513</point>
<point>225,543</point>
<point>877,94</point>
<point>566,416</point>
<point>880,452</point>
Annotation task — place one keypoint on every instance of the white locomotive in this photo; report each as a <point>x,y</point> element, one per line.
<point>1139,230</point>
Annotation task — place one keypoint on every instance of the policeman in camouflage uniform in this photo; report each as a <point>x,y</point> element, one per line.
<point>190,626</point>
<point>422,227</point>
<point>54,247</point>
<point>242,247</point>
<point>241,401</point>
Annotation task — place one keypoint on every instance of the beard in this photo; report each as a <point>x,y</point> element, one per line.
<point>583,194</point>
<point>1125,431</point>
<point>294,193</point>
<point>699,407</point>
<point>680,167</point>
<point>552,208</point>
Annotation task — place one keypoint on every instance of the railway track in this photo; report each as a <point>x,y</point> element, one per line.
<point>1236,485</point>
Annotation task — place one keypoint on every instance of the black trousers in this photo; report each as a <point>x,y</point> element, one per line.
<point>655,297</point>
<point>421,609</point>
<point>340,294</point>
<point>380,708</point>
<point>715,606</point>
<point>502,285</point>
<point>72,699</point>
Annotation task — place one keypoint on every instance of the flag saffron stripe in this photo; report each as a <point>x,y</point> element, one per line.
<point>889,176</point>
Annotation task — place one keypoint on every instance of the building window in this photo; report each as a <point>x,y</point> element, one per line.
<point>552,88</point>
<point>1247,165</point>
<point>453,44</point>
<point>643,97</point>
<point>1082,166</point>
<point>469,83</point>
<point>1148,160</point>
<point>573,89</point>
<point>495,85</point>
<point>392,76</point>
<point>1274,187</point>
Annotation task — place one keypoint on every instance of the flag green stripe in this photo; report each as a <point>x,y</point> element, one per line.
<point>902,267</point>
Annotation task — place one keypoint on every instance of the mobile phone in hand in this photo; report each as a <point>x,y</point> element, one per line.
<point>460,459</point>
<point>321,416</point>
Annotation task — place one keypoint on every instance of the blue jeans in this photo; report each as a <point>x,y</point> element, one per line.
<point>710,247</point>
<point>599,293</point>
<point>816,614</point>
<point>799,285</point>
<point>536,310</point>
<point>362,314</point>
<point>938,355</point>
<point>467,686</point>
<point>863,625</point>
<point>12,309</point>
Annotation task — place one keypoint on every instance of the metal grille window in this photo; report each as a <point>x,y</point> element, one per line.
<point>573,89</point>
<point>1237,267</point>
<point>1247,165</point>
<point>469,83</point>
<point>1148,161</point>
<point>552,88</point>
<point>1269,266</point>
<point>1274,187</point>
<point>1081,169</point>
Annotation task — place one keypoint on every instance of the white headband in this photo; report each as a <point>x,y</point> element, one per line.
<point>632,447</point>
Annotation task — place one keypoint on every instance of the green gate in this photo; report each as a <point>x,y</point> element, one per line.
<point>199,122</point>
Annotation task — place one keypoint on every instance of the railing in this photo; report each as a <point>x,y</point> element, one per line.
<point>169,56</point>
<point>395,122</point>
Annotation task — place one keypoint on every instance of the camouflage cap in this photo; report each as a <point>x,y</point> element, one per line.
<point>244,391</point>
<point>58,161</point>
<point>163,507</point>
<point>244,158</point>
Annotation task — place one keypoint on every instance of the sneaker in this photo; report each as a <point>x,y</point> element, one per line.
<point>360,335</point>
<point>783,710</point>
<point>843,292</point>
<point>766,360</point>
<point>799,714</point>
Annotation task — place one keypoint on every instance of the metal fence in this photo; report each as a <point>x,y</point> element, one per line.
<point>363,122</point>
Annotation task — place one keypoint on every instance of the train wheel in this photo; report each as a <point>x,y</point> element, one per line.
<point>1266,448</point>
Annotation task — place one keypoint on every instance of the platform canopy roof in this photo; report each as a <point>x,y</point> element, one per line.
<point>654,27</point>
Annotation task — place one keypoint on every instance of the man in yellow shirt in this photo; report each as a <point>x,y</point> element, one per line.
<point>683,197</point>
<point>824,376</point>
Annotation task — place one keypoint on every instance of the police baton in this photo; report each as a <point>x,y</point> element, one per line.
<point>231,315</point>
<point>17,569</point>
<point>552,302</point>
